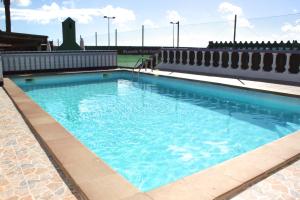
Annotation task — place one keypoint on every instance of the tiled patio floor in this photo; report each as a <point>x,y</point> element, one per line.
<point>25,170</point>
<point>283,185</point>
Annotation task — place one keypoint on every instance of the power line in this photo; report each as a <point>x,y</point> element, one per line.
<point>209,22</point>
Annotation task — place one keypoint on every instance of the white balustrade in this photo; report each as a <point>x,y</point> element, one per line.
<point>235,72</point>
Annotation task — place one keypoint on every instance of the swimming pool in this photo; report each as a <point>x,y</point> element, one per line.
<point>155,130</point>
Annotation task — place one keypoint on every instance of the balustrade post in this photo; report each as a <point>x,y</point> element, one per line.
<point>220,57</point>
<point>240,60</point>
<point>211,58</point>
<point>261,64</point>
<point>229,58</point>
<point>202,58</point>
<point>156,58</point>
<point>250,59</point>
<point>274,61</point>
<point>187,57</point>
<point>180,57</point>
<point>162,56</point>
<point>168,56</point>
<point>196,59</point>
<point>287,64</point>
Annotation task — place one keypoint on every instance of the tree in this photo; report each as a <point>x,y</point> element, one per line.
<point>7,15</point>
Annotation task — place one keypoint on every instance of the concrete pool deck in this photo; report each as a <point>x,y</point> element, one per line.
<point>97,181</point>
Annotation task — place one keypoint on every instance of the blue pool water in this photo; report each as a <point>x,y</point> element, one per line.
<point>155,130</point>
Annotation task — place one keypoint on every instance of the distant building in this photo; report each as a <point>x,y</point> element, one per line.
<point>69,36</point>
<point>10,41</point>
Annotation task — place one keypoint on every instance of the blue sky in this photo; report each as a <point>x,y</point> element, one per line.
<point>201,20</point>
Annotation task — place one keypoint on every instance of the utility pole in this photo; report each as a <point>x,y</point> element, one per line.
<point>173,33</point>
<point>234,31</point>
<point>116,37</point>
<point>178,34</point>
<point>96,38</point>
<point>108,28</point>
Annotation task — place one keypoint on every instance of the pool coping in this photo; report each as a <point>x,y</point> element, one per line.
<point>94,179</point>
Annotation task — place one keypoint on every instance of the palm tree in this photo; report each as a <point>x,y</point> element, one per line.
<point>7,15</point>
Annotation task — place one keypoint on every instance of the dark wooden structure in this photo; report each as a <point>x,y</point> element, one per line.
<point>10,41</point>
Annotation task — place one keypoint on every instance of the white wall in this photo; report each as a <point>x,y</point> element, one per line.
<point>41,61</point>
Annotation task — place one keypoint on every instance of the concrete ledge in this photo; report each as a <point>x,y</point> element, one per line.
<point>255,85</point>
<point>58,70</point>
<point>96,180</point>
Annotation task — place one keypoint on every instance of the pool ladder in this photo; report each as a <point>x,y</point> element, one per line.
<point>139,65</point>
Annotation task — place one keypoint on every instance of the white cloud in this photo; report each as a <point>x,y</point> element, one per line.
<point>122,15</point>
<point>149,24</point>
<point>291,28</point>
<point>173,15</point>
<point>228,11</point>
<point>52,12</point>
<point>69,3</point>
<point>23,3</point>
